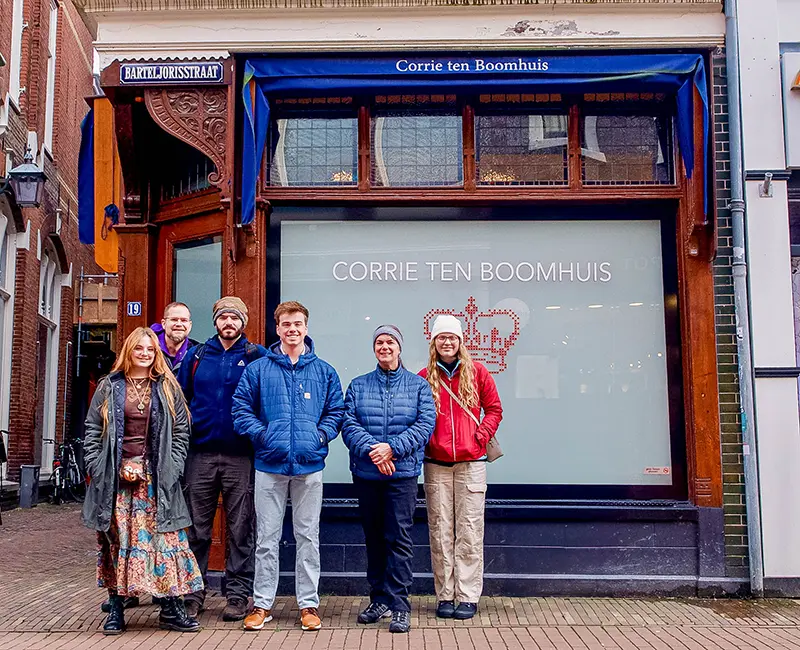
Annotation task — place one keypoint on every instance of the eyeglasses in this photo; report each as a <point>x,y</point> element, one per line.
<point>179,320</point>
<point>446,339</point>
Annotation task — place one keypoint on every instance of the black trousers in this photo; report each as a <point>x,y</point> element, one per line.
<point>206,475</point>
<point>387,515</point>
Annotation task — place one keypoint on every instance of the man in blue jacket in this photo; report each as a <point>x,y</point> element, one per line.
<point>219,460</point>
<point>290,405</point>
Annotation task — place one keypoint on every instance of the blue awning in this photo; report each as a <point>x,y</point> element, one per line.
<point>265,77</point>
<point>86,180</point>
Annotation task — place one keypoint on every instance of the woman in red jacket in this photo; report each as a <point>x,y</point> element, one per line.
<point>455,467</point>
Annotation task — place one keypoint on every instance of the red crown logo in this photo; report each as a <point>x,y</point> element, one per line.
<point>490,349</point>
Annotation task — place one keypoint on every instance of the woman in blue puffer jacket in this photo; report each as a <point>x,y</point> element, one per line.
<point>389,418</point>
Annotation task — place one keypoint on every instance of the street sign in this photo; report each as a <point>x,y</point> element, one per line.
<point>134,308</point>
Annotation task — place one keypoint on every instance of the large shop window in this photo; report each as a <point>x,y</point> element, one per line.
<point>573,313</point>
<point>197,281</point>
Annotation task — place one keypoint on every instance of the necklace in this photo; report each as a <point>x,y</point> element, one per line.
<point>142,394</point>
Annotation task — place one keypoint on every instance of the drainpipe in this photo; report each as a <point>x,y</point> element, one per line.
<point>742,304</point>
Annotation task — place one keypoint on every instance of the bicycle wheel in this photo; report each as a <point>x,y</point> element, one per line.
<point>74,485</point>
<point>58,485</point>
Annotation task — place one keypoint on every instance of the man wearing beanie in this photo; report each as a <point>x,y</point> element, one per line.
<point>290,405</point>
<point>219,460</point>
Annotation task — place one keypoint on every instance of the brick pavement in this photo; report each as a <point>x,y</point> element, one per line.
<point>48,600</point>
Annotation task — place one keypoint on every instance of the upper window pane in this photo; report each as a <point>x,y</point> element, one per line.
<point>197,281</point>
<point>416,149</point>
<point>627,149</point>
<point>526,149</point>
<point>314,151</point>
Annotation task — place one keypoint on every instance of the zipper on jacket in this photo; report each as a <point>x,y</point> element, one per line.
<point>294,400</point>
<point>452,425</point>
<point>386,410</point>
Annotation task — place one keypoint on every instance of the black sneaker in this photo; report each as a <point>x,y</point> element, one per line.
<point>373,613</point>
<point>236,609</point>
<point>115,621</point>
<point>465,611</point>
<point>401,622</point>
<point>173,617</point>
<point>445,609</point>
<point>127,603</point>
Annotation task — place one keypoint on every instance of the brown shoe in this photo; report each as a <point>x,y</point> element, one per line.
<point>235,610</point>
<point>255,620</point>
<point>309,618</point>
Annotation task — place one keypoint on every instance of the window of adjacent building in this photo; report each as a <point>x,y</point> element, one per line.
<point>197,281</point>
<point>15,63</point>
<point>569,316</point>
<point>47,355</point>
<point>7,272</point>
<point>51,77</point>
<point>793,190</point>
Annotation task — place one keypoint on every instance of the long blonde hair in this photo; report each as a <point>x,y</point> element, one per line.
<point>124,364</point>
<point>467,391</point>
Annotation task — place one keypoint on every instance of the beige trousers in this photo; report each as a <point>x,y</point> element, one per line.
<point>456,497</point>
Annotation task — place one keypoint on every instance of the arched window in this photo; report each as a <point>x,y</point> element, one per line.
<point>8,259</point>
<point>47,356</point>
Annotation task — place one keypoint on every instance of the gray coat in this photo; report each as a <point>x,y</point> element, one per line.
<point>168,443</point>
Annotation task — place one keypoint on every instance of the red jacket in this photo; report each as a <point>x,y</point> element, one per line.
<point>457,438</point>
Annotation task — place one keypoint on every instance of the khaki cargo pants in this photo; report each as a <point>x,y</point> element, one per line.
<point>456,497</point>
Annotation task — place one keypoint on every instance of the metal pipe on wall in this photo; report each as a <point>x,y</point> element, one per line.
<point>742,304</point>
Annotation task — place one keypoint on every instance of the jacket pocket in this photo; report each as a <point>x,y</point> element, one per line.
<point>273,444</point>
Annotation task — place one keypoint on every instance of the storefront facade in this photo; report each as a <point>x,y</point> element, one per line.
<point>561,203</point>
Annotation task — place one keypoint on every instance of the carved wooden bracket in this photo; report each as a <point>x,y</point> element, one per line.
<point>199,117</point>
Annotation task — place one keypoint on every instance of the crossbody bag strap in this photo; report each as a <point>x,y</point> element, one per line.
<point>461,404</point>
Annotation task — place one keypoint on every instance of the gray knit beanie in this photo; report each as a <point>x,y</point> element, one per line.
<point>392,331</point>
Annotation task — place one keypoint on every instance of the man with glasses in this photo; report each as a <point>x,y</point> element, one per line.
<point>173,333</point>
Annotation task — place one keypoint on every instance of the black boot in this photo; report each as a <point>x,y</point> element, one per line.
<point>115,621</point>
<point>174,617</point>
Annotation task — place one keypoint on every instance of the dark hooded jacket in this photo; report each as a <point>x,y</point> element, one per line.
<point>168,444</point>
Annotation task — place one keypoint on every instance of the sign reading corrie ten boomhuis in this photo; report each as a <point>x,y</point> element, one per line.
<point>203,72</point>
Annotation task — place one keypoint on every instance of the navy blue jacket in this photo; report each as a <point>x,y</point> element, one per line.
<point>388,406</point>
<point>289,412</point>
<point>210,393</point>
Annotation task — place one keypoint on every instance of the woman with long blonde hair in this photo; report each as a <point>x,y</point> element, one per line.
<point>137,437</point>
<point>455,467</point>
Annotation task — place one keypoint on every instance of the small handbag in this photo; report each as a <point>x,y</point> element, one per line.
<point>493,450</point>
<point>134,467</point>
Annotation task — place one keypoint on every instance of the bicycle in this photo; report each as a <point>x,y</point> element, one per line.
<point>69,477</point>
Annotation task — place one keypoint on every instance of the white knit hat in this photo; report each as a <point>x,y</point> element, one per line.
<point>447,324</point>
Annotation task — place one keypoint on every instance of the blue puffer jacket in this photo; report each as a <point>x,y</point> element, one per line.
<point>289,412</point>
<point>388,406</point>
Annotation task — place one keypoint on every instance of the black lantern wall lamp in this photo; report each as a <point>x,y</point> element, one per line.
<point>26,182</point>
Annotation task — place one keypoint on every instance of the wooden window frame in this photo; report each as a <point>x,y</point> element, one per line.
<point>471,191</point>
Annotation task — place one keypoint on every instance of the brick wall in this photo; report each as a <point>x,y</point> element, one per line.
<point>54,223</point>
<point>736,554</point>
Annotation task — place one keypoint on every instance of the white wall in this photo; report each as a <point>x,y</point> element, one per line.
<point>216,34</point>
<point>761,26</point>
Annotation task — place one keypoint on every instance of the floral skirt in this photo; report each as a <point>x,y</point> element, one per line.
<point>135,559</point>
